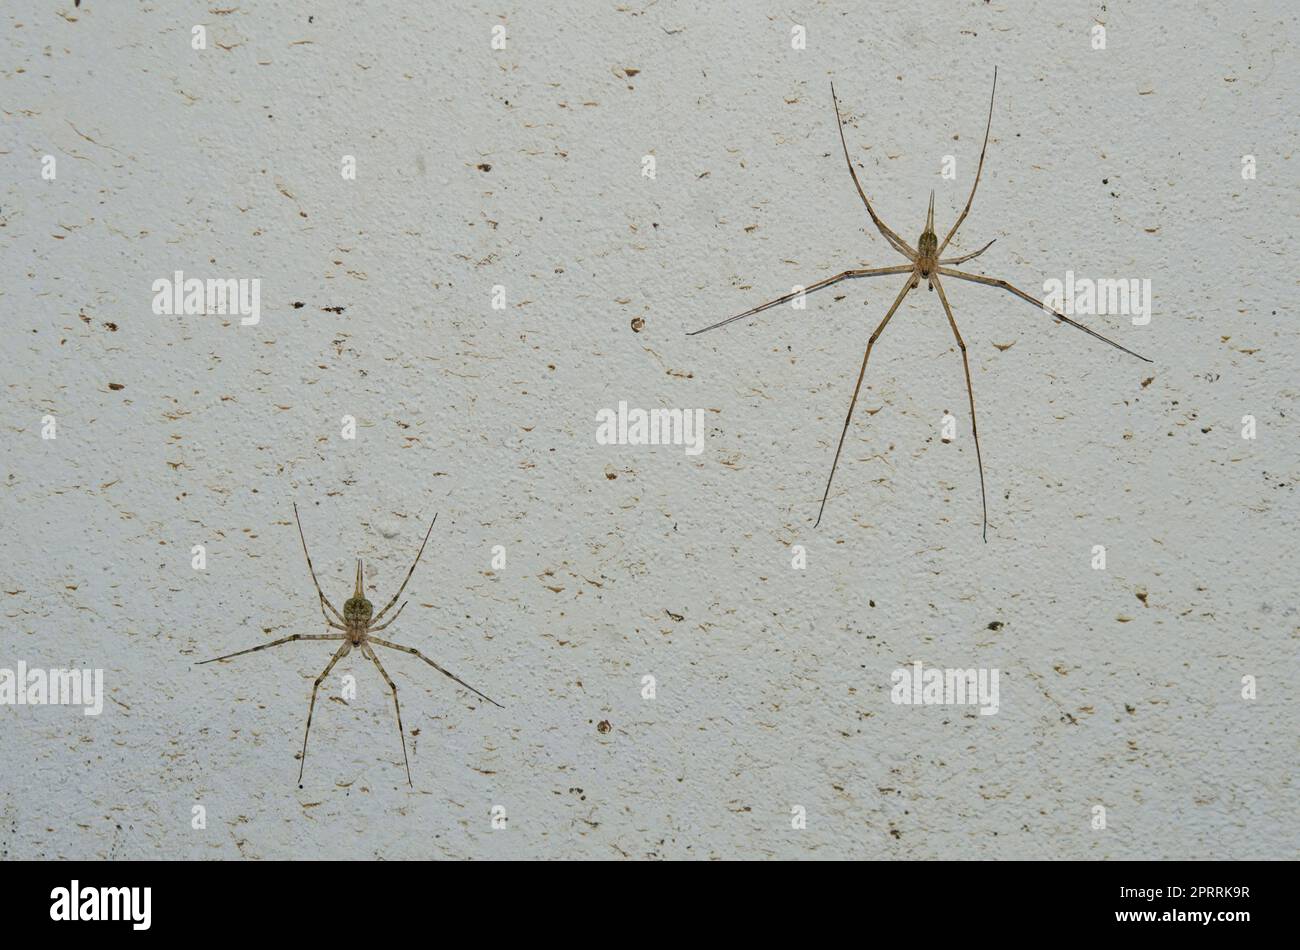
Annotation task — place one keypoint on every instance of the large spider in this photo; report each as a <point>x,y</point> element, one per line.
<point>926,263</point>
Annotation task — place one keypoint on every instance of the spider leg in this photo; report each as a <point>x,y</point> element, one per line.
<point>995,282</point>
<point>970,256</point>
<point>966,210</point>
<point>408,573</point>
<point>911,282</point>
<point>386,623</point>
<point>342,652</point>
<point>276,643</point>
<point>894,240</point>
<point>846,275</point>
<point>414,652</point>
<point>961,345</point>
<point>365,648</point>
<point>324,601</point>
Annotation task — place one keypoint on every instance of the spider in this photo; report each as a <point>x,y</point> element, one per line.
<point>926,262</point>
<point>358,633</point>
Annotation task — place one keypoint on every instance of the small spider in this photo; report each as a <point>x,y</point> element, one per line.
<point>925,263</point>
<point>358,627</point>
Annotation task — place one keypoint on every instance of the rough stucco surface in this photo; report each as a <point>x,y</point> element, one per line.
<point>1119,687</point>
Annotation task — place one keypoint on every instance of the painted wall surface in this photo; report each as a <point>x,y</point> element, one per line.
<point>522,177</point>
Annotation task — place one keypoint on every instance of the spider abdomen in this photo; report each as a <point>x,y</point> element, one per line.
<point>927,250</point>
<point>357,611</point>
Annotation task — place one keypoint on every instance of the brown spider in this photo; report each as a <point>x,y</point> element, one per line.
<point>926,263</point>
<point>358,626</point>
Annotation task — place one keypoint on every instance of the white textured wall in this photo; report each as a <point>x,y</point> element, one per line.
<point>773,687</point>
